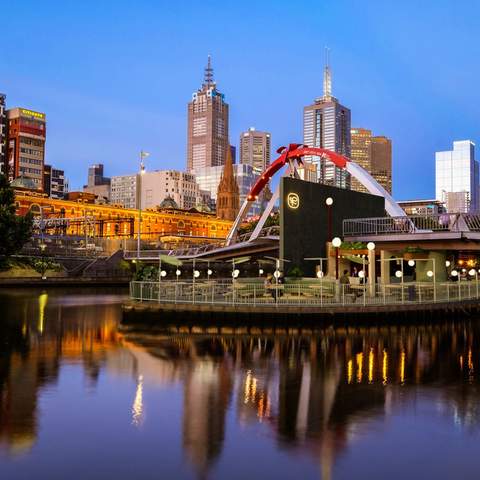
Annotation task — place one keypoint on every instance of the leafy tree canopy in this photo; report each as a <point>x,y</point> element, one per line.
<point>15,230</point>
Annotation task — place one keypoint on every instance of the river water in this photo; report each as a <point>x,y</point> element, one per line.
<point>81,396</point>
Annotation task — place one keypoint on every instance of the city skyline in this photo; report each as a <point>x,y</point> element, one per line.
<point>398,87</point>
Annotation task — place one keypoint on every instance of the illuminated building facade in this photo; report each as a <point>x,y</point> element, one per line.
<point>3,133</point>
<point>115,222</point>
<point>374,154</point>
<point>26,145</point>
<point>255,150</point>
<point>207,141</point>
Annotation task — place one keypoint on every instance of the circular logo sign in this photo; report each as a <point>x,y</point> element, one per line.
<point>293,201</point>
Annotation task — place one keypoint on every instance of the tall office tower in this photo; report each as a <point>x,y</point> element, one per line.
<point>3,134</point>
<point>255,149</point>
<point>207,125</point>
<point>382,161</point>
<point>374,154</point>
<point>95,175</point>
<point>26,145</point>
<point>456,178</point>
<point>54,183</point>
<point>326,124</point>
<point>228,196</point>
<point>97,183</point>
<point>123,191</point>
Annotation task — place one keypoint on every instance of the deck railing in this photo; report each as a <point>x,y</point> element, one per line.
<point>316,293</point>
<point>443,222</point>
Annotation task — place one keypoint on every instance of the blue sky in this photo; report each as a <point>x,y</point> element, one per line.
<point>115,77</point>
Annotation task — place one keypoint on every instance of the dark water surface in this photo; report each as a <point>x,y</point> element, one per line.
<point>83,398</point>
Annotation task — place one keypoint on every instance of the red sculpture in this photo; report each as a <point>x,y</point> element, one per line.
<point>294,152</point>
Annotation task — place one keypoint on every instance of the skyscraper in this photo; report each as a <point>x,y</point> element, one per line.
<point>374,154</point>
<point>456,178</point>
<point>207,125</point>
<point>326,124</point>
<point>255,149</point>
<point>26,145</point>
<point>3,134</point>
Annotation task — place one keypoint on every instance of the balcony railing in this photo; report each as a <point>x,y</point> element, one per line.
<point>444,222</point>
<point>324,293</point>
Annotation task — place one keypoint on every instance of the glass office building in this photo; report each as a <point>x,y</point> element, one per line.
<point>456,178</point>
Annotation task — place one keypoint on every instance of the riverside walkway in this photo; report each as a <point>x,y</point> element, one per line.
<point>304,297</point>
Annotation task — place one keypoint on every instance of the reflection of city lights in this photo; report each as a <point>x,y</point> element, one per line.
<point>461,362</point>
<point>359,358</point>
<point>385,367</point>
<point>42,303</point>
<point>350,371</point>
<point>402,367</point>
<point>137,407</point>
<point>370,366</point>
<point>470,363</point>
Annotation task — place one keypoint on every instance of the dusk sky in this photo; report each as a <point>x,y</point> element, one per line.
<point>114,77</point>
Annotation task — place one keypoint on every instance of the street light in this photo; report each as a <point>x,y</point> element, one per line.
<point>196,273</point>
<point>143,155</point>
<point>235,273</point>
<point>336,242</point>
<point>371,246</point>
<point>260,272</point>
<point>399,274</point>
<point>411,263</point>
<point>329,203</point>
<point>447,263</point>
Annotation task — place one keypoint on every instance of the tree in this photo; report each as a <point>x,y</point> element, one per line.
<point>15,230</point>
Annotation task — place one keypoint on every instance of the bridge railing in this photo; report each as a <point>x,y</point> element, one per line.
<point>316,293</point>
<point>444,222</point>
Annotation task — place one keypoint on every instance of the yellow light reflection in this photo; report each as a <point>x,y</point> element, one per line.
<point>359,358</point>
<point>385,367</point>
<point>42,303</point>
<point>370,366</point>
<point>137,407</point>
<point>470,363</point>
<point>461,362</point>
<point>402,367</point>
<point>349,371</point>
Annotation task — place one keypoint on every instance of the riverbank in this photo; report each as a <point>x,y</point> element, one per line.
<point>36,282</point>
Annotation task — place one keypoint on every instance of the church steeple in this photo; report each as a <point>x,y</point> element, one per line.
<point>228,195</point>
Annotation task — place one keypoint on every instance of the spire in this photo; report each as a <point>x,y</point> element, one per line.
<point>327,76</point>
<point>228,197</point>
<point>208,79</point>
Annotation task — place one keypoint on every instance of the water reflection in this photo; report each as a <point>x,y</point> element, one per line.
<point>312,392</point>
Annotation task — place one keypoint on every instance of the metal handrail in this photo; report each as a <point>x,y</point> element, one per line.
<point>443,222</point>
<point>323,292</point>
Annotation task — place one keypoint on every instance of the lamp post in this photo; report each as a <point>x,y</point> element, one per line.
<point>143,155</point>
<point>336,242</point>
<point>371,267</point>
<point>329,203</point>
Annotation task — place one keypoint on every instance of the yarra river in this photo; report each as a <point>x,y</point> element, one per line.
<point>81,396</point>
